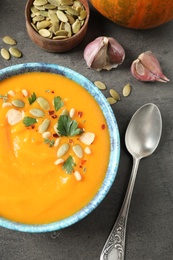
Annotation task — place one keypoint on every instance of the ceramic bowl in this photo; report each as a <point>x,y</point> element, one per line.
<point>114,144</point>
<point>52,45</point>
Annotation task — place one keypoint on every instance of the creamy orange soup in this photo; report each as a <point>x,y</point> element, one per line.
<point>54,147</point>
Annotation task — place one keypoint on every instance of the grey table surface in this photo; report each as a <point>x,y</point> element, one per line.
<point>150,222</point>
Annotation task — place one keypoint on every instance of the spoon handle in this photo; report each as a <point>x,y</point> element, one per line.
<point>114,248</point>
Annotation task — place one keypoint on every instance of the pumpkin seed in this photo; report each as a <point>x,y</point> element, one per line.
<point>18,103</point>
<point>114,94</point>
<point>62,17</point>
<point>66,2</point>
<point>44,32</point>
<point>61,33</point>
<point>72,11</point>
<point>76,26</point>
<point>38,18</point>
<point>100,85</point>
<point>36,112</point>
<point>87,138</point>
<point>9,40</point>
<point>77,149</point>
<point>42,24</point>
<point>15,52</point>
<point>44,126</point>
<point>65,112</point>
<point>71,19</point>
<point>126,90</point>
<point>5,54</point>
<point>43,103</point>
<point>111,100</point>
<point>54,2</point>
<point>82,15</point>
<point>63,150</point>
<point>49,6</point>
<point>39,2</point>
<point>53,17</point>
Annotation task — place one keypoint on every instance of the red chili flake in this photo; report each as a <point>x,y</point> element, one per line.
<point>55,135</point>
<point>83,161</point>
<point>51,112</point>
<point>52,91</point>
<point>80,166</point>
<point>70,141</point>
<point>80,114</point>
<point>103,126</point>
<point>54,116</point>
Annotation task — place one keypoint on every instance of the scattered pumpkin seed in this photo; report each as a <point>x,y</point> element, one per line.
<point>5,54</point>
<point>100,85</point>
<point>18,103</point>
<point>63,150</point>
<point>126,90</point>
<point>15,52</point>
<point>62,17</point>
<point>57,142</point>
<point>39,2</point>
<point>44,126</point>
<point>111,100</point>
<point>43,103</point>
<point>114,94</point>
<point>9,40</point>
<point>77,149</point>
<point>11,93</point>
<point>36,112</point>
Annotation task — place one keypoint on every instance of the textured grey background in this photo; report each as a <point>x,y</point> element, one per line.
<point>150,223</point>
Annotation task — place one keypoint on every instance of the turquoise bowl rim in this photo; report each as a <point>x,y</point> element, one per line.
<point>114,144</point>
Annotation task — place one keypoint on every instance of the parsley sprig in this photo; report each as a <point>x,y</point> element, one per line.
<point>67,126</point>
<point>33,98</point>
<point>68,165</point>
<point>28,121</point>
<point>48,141</point>
<point>58,103</point>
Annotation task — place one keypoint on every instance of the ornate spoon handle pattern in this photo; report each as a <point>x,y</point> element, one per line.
<point>114,248</point>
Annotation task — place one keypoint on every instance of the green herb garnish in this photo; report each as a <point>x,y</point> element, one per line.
<point>4,97</point>
<point>68,165</point>
<point>67,126</point>
<point>58,103</point>
<point>33,98</point>
<point>28,121</point>
<point>48,141</point>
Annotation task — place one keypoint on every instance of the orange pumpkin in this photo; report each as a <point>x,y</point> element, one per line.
<point>136,14</point>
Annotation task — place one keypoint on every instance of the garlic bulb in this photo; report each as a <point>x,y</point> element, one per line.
<point>147,68</point>
<point>104,53</point>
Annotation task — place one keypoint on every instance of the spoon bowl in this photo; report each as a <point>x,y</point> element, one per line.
<point>142,138</point>
<point>144,131</point>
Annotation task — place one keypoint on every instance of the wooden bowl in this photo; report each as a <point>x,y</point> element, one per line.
<point>54,45</point>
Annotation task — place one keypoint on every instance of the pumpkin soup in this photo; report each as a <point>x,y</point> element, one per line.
<point>54,147</point>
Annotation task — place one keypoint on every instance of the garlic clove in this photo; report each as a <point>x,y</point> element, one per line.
<point>147,68</point>
<point>104,53</point>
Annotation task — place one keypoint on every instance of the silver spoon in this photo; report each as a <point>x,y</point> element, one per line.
<point>142,138</point>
